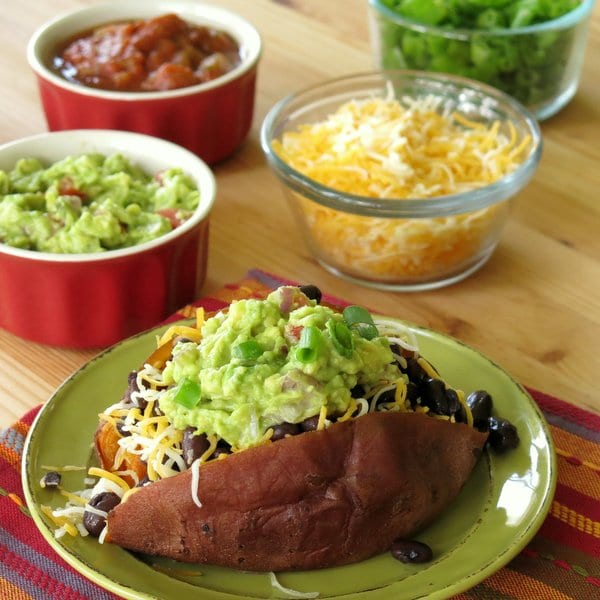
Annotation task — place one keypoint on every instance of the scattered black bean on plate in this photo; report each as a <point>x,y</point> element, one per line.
<point>480,403</point>
<point>50,480</point>
<point>503,435</point>
<point>411,551</point>
<point>104,501</point>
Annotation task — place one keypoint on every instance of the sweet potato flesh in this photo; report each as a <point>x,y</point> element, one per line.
<point>106,444</point>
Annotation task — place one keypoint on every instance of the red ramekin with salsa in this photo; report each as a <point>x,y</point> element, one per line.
<point>180,70</point>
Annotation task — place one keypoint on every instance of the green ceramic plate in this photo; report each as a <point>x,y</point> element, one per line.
<point>496,514</point>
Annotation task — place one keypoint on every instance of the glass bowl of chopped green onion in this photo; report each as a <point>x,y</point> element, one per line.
<point>401,180</point>
<point>531,49</point>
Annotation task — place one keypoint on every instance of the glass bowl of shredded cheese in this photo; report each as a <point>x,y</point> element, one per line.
<point>401,180</point>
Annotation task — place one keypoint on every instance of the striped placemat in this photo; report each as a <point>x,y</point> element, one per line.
<point>561,562</point>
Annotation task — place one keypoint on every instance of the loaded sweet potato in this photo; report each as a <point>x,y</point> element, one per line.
<point>283,424</point>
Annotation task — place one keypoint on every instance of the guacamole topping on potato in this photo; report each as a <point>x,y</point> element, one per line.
<point>90,203</point>
<point>272,361</point>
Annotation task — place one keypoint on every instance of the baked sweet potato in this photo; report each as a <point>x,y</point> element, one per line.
<point>319,499</point>
<point>106,444</point>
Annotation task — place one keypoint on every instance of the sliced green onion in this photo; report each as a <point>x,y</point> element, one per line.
<point>188,393</point>
<point>366,330</point>
<point>248,350</point>
<point>310,344</point>
<point>341,336</point>
<point>357,314</point>
<point>360,318</point>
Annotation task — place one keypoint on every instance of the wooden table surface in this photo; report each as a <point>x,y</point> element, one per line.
<point>534,308</point>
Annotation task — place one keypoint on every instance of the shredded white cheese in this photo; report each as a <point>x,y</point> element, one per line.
<point>363,406</point>
<point>288,591</point>
<point>102,535</point>
<point>195,468</point>
<point>397,334</point>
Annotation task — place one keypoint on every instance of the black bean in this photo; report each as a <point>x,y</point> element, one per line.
<point>454,405</point>
<point>221,450</point>
<point>310,424</point>
<point>503,435</point>
<point>433,395</point>
<point>131,387</point>
<point>282,429</point>
<point>312,292</point>
<point>480,403</point>
<point>412,392</point>
<point>50,480</point>
<point>104,501</point>
<point>407,551</point>
<point>402,351</point>
<point>415,371</point>
<point>387,396</point>
<point>123,432</point>
<point>193,446</point>
<point>140,403</point>
<point>358,391</point>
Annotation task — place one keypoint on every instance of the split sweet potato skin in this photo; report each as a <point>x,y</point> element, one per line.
<point>318,499</point>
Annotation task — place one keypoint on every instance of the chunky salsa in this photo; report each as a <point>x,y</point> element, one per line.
<point>161,53</point>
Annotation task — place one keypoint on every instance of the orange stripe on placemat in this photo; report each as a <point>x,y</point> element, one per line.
<point>8,591</point>
<point>517,585</point>
<point>578,474</point>
<point>577,446</point>
<point>247,288</point>
<point>22,428</point>
<point>12,457</point>
<point>574,519</point>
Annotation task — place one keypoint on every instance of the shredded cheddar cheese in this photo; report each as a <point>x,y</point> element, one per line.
<point>97,472</point>
<point>348,414</point>
<point>73,498</point>
<point>322,418</point>
<point>212,446</point>
<point>426,366</point>
<point>129,493</point>
<point>400,395</point>
<point>466,407</point>
<point>61,522</point>
<point>408,148</point>
<point>200,317</point>
<point>180,330</point>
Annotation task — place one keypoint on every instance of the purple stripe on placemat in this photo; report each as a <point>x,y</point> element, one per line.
<point>571,427</point>
<point>568,411</point>
<point>51,569</point>
<point>568,417</point>
<point>23,581</point>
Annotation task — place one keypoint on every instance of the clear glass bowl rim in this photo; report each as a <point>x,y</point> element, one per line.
<point>439,206</point>
<point>569,19</point>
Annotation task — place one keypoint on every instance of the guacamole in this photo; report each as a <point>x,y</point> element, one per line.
<point>272,361</point>
<point>90,203</point>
